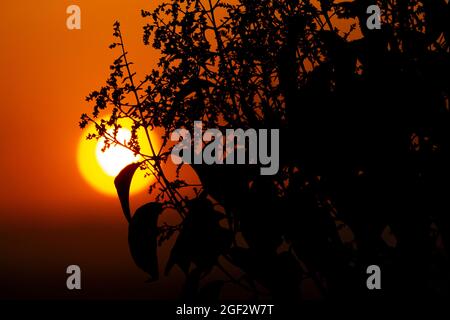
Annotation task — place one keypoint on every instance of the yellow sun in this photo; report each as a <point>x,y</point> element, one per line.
<point>116,157</point>
<point>99,168</point>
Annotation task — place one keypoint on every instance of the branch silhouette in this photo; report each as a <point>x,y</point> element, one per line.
<point>364,116</point>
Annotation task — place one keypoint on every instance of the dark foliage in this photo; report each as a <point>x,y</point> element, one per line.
<point>365,127</point>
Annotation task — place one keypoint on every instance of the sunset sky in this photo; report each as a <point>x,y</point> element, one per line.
<point>357,112</point>
<point>50,217</point>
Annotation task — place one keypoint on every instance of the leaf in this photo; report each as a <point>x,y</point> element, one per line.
<point>348,9</point>
<point>260,219</point>
<point>179,255</point>
<point>227,184</point>
<point>142,238</point>
<point>192,86</point>
<point>201,239</point>
<point>191,285</point>
<point>123,183</point>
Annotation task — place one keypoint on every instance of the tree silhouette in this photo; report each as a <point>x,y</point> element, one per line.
<point>365,150</point>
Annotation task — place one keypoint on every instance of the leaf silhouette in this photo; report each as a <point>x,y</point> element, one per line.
<point>191,285</point>
<point>201,239</point>
<point>122,183</point>
<point>366,118</point>
<point>142,238</point>
<point>347,9</point>
<point>227,184</point>
<point>192,86</point>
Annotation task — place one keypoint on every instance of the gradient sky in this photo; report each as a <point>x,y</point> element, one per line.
<point>50,217</point>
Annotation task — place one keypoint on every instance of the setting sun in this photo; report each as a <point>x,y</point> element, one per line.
<point>116,157</point>
<point>99,168</point>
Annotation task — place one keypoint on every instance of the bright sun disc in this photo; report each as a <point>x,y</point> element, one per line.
<point>116,157</point>
<point>100,168</point>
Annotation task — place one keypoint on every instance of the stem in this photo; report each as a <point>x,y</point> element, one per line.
<point>220,49</point>
<point>117,142</point>
<point>157,165</point>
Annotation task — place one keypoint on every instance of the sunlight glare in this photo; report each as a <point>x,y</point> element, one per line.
<point>100,168</point>
<point>116,157</point>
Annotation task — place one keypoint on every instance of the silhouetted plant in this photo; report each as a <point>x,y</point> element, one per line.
<point>364,120</point>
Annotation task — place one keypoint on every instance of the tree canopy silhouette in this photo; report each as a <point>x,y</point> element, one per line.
<point>364,119</point>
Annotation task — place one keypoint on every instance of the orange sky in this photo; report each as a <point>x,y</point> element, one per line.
<point>50,217</point>
<point>47,71</point>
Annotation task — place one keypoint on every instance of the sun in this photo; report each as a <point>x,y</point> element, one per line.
<point>116,157</point>
<point>99,167</point>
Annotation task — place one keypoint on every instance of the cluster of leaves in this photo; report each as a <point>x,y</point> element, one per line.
<point>365,126</point>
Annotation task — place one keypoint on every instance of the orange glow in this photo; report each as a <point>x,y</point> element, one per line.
<point>99,168</point>
<point>116,157</point>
